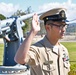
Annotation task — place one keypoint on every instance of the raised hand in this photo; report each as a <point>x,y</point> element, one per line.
<point>35,23</point>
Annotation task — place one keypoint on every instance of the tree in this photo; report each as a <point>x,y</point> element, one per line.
<point>2,17</point>
<point>27,22</point>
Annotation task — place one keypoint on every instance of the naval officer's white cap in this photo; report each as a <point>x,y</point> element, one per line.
<point>56,14</point>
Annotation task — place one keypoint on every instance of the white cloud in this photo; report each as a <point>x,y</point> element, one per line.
<point>8,9</point>
<point>71,8</point>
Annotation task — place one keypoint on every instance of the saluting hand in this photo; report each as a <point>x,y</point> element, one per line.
<point>35,24</point>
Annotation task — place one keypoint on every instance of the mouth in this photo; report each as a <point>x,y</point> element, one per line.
<point>62,34</point>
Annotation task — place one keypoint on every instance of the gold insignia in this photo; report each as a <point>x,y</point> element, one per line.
<point>48,62</point>
<point>63,14</point>
<point>47,18</point>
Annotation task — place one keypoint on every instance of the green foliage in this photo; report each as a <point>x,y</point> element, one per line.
<point>1,53</point>
<point>73,69</point>
<point>27,22</point>
<point>2,17</point>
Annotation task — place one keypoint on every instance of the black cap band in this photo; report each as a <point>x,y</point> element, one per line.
<point>57,17</point>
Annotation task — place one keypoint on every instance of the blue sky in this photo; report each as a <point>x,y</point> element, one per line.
<point>35,4</point>
<point>8,7</point>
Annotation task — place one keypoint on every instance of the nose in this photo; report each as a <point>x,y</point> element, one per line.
<point>63,29</point>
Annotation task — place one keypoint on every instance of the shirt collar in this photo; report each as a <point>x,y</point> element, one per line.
<point>49,46</point>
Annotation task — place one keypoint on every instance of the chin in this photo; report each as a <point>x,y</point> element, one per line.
<point>61,37</point>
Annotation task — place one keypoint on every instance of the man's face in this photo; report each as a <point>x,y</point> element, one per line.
<point>57,29</point>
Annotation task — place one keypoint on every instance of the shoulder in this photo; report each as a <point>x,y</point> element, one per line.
<point>38,44</point>
<point>63,46</point>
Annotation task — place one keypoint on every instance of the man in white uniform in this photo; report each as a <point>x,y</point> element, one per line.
<point>48,56</point>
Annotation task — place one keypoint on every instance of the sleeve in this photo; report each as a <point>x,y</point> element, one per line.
<point>32,56</point>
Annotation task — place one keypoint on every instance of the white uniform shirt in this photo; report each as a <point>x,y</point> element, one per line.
<point>46,59</point>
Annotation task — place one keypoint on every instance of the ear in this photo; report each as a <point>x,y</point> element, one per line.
<point>47,27</point>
